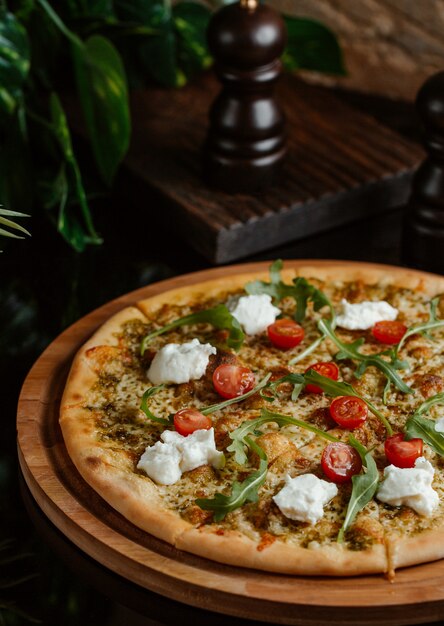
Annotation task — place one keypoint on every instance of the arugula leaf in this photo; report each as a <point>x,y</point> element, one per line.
<point>425,327</point>
<point>364,487</point>
<point>418,426</point>
<point>246,491</point>
<point>240,435</point>
<point>297,380</point>
<point>335,388</point>
<point>219,316</point>
<point>351,351</point>
<point>145,408</point>
<point>244,396</point>
<point>301,291</point>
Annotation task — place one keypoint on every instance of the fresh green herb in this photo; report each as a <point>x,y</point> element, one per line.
<point>351,351</point>
<point>219,316</point>
<point>240,435</point>
<point>225,403</point>
<point>425,327</point>
<point>335,388</point>
<point>301,291</point>
<point>297,380</point>
<point>364,487</point>
<point>246,491</point>
<point>145,408</point>
<point>418,426</point>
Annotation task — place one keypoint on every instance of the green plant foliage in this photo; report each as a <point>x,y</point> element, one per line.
<point>14,61</point>
<point>77,229</point>
<point>312,46</point>
<point>100,46</point>
<point>102,88</point>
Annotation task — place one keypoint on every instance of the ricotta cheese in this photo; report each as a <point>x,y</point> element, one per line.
<point>303,497</point>
<point>439,425</point>
<point>254,313</point>
<point>364,315</point>
<point>180,363</point>
<point>166,461</point>
<point>410,486</point>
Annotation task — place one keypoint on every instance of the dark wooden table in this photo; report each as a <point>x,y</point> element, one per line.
<point>45,287</point>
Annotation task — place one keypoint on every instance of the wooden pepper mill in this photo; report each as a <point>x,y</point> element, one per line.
<point>245,144</point>
<point>423,236</point>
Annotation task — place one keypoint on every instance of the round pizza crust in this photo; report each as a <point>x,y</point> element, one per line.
<point>136,497</point>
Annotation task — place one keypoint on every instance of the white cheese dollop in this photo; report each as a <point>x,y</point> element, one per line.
<point>180,363</point>
<point>168,459</point>
<point>439,425</point>
<point>410,486</point>
<point>303,497</point>
<point>254,313</point>
<point>364,315</point>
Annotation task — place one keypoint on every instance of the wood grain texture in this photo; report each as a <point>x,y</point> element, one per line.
<point>416,596</point>
<point>390,46</point>
<point>341,166</point>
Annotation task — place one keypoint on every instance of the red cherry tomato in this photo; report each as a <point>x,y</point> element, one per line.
<point>285,334</point>
<point>389,332</point>
<point>186,421</point>
<point>328,369</point>
<point>231,381</point>
<point>349,411</point>
<point>402,453</point>
<point>340,462</point>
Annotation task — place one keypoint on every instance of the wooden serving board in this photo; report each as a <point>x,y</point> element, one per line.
<point>342,166</point>
<point>416,596</point>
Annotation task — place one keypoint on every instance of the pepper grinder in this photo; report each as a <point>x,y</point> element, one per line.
<point>245,143</point>
<point>423,234</point>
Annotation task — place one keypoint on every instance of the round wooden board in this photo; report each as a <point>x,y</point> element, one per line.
<point>416,596</point>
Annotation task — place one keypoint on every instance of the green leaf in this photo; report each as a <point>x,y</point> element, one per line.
<point>4,221</point>
<point>418,426</point>
<point>312,46</point>
<point>240,435</point>
<point>78,231</point>
<point>246,491</point>
<point>425,327</point>
<point>219,316</point>
<point>335,389</point>
<point>297,380</point>
<point>351,351</point>
<point>301,291</point>
<point>101,83</point>
<point>244,396</point>
<point>156,55</point>
<point>191,23</point>
<point>364,487</point>
<point>145,408</point>
<point>14,61</point>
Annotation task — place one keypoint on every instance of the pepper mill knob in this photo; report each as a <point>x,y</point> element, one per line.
<point>423,236</point>
<point>246,140</point>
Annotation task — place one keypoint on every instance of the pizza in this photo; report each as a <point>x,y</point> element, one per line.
<point>290,421</point>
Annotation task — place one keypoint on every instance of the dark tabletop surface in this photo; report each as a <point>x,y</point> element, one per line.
<point>45,287</point>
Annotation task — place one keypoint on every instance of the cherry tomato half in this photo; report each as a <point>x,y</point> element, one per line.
<point>389,332</point>
<point>186,421</point>
<point>349,411</point>
<point>285,334</point>
<point>328,369</point>
<point>340,462</point>
<point>231,381</point>
<point>402,453</point>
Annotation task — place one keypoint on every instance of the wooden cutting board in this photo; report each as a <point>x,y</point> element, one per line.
<point>416,596</point>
